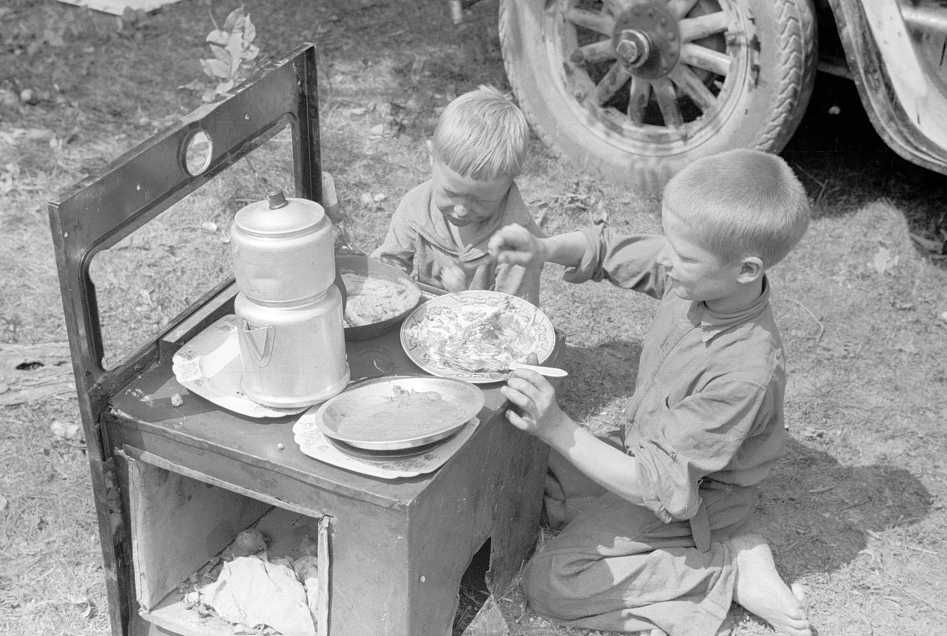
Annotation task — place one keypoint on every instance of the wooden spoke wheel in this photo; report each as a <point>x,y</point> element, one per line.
<point>636,89</point>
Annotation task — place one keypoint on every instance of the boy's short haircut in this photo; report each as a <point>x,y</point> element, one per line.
<point>482,134</point>
<point>741,203</point>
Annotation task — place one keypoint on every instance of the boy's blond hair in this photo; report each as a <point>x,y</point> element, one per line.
<point>741,203</point>
<point>481,134</point>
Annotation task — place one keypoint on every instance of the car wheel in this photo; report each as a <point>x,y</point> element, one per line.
<point>637,89</point>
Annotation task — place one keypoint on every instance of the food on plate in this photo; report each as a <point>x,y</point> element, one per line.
<point>403,414</point>
<point>371,300</point>
<point>474,337</point>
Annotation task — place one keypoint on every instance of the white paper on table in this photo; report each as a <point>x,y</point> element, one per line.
<point>209,365</point>
<point>313,442</point>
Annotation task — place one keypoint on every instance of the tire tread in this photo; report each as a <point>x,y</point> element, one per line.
<point>796,73</point>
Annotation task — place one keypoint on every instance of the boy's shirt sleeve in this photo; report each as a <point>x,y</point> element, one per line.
<point>699,436</point>
<point>400,242</point>
<point>516,279</point>
<point>627,261</point>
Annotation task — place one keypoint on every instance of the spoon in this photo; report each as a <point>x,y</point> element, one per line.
<point>549,372</point>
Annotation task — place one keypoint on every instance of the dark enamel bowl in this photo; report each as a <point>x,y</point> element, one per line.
<point>367,266</point>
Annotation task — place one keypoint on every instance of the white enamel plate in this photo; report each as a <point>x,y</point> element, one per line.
<point>476,335</point>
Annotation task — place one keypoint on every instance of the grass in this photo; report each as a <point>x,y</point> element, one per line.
<point>855,509</point>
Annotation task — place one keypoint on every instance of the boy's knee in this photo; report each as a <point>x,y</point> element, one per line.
<point>549,582</point>
<point>538,585</point>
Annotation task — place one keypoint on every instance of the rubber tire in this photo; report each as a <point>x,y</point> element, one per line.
<point>767,111</point>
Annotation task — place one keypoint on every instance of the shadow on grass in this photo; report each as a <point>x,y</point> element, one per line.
<point>845,164</point>
<point>818,513</point>
<point>598,376</point>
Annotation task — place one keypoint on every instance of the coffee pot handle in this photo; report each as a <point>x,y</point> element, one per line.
<point>250,342</point>
<point>340,284</point>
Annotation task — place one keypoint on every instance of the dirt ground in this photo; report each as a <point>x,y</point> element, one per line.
<point>856,508</point>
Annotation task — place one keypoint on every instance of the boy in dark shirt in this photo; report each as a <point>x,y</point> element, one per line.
<point>656,535</point>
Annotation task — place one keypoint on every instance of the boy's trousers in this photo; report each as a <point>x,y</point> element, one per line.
<point>615,566</point>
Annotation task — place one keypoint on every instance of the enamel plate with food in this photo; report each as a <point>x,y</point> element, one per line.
<point>399,412</point>
<point>372,300</point>
<point>377,296</point>
<point>476,335</point>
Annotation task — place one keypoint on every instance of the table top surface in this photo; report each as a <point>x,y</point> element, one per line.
<point>145,404</point>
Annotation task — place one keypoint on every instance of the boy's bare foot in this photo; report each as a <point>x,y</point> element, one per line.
<point>760,589</point>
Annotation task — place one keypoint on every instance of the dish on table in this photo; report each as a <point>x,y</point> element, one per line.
<point>209,365</point>
<point>399,412</point>
<point>476,335</point>
<point>377,295</point>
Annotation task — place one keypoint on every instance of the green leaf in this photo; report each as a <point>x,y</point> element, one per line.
<point>235,44</point>
<point>249,32</point>
<point>232,18</point>
<point>235,49</point>
<point>218,37</point>
<point>216,68</point>
<point>221,54</point>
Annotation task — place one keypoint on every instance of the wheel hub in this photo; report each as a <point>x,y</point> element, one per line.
<point>647,39</point>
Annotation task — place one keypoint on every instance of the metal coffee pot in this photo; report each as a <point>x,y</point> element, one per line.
<point>292,339</point>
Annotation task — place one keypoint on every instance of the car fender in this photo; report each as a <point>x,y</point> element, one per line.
<point>906,108</point>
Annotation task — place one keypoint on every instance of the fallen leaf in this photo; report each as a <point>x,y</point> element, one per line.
<point>65,430</point>
<point>884,260</point>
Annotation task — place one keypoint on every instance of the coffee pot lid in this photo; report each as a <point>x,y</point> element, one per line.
<point>279,216</point>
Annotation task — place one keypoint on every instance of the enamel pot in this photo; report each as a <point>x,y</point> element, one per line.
<point>292,355</point>
<point>283,250</point>
<point>292,342</point>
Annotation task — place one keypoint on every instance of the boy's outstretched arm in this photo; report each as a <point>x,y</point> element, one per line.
<point>539,414</point>
<point>516,245</point>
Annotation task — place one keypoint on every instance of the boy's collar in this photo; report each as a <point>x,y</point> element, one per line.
<point>714,323</point>
<point>436,231</point>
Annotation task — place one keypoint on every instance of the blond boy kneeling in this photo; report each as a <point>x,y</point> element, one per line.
<point>655,536</point>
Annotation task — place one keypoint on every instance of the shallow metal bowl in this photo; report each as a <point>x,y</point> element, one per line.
<point>459,402</point>
<point>368,266</point>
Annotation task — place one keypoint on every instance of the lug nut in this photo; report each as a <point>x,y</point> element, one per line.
<point>634,48</point>
<point>627,51</point>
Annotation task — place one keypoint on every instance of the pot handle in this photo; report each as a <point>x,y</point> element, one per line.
<point>340,285</point>
<point>257,342</point>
